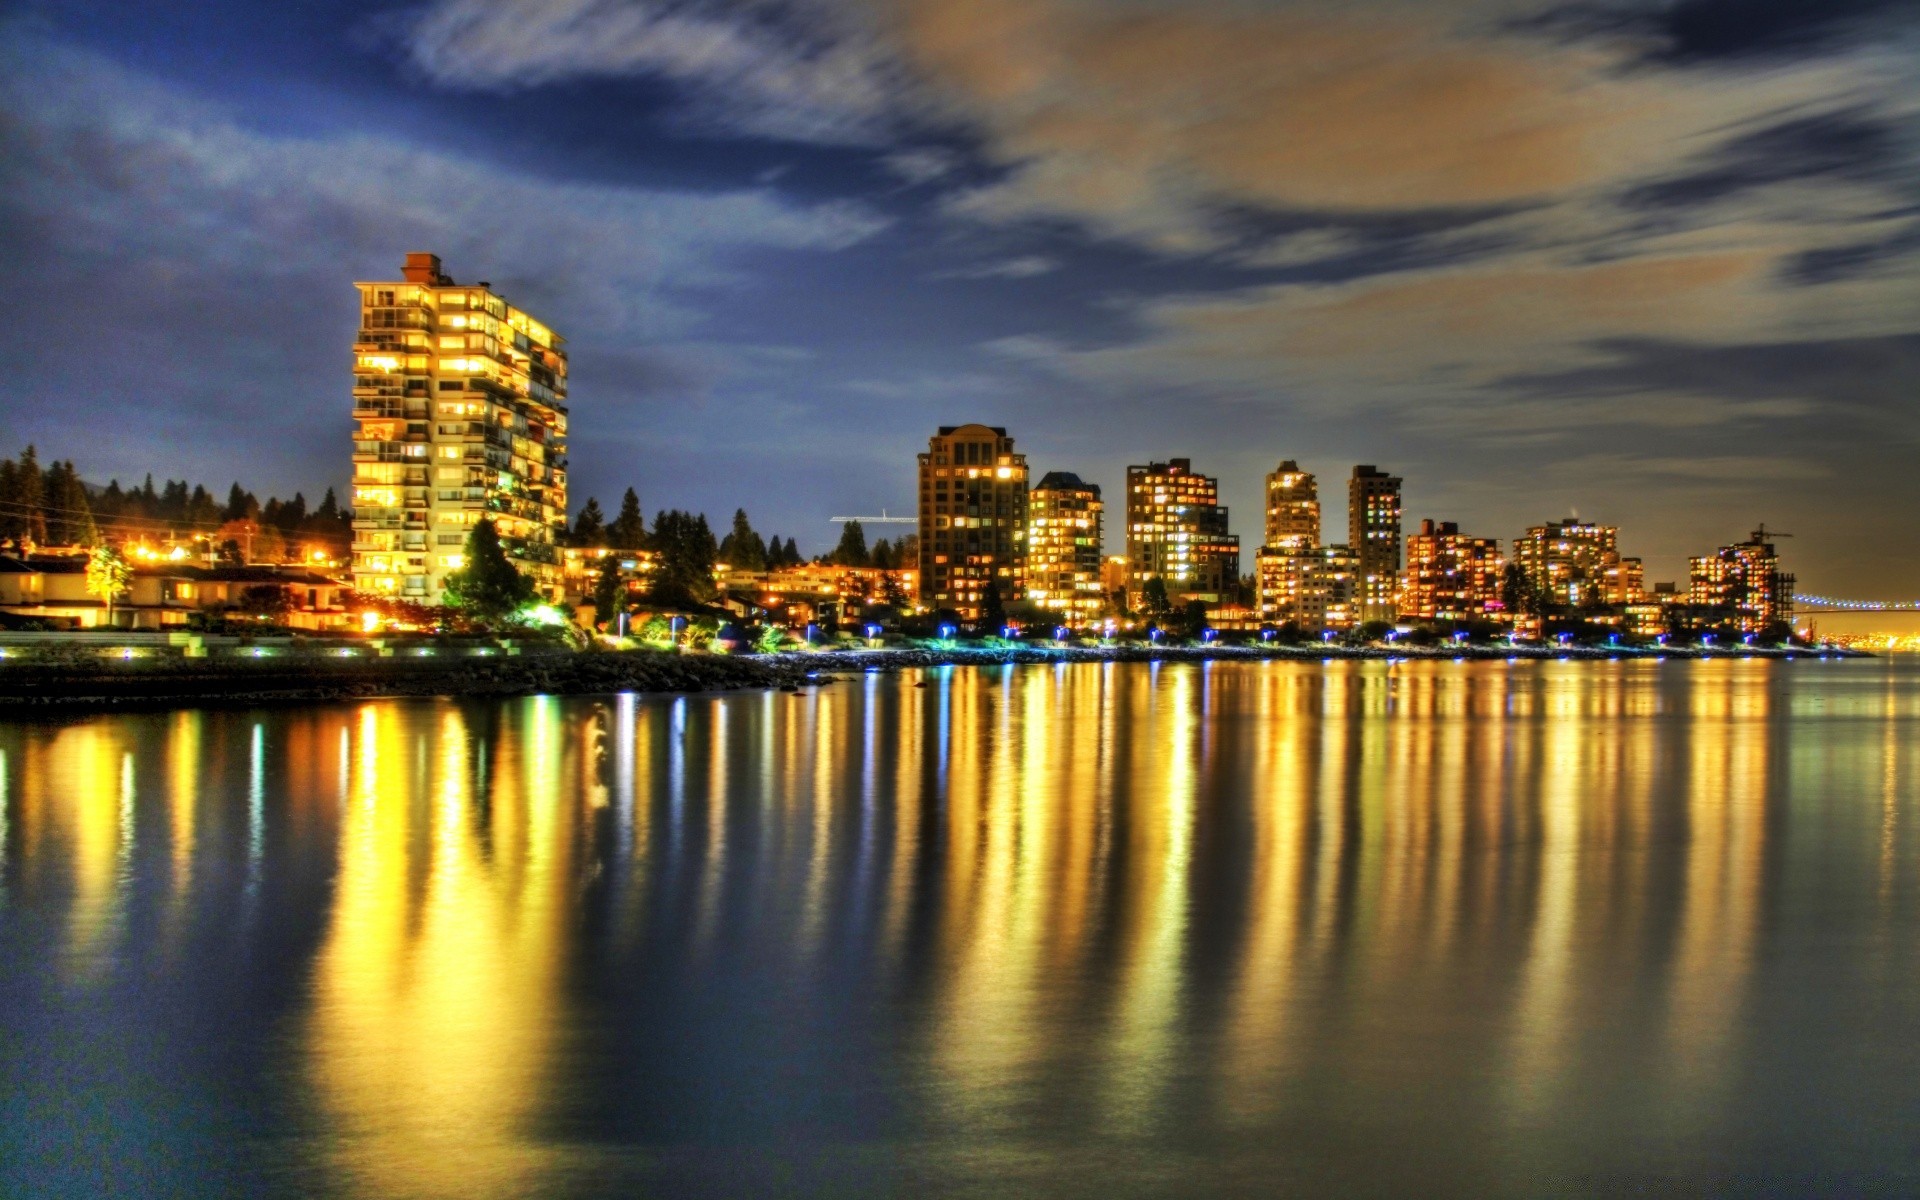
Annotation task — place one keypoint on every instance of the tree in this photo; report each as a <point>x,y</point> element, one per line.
<point>742,548</point>
<point>1518,593</point>
<point>108,576</point>
<point>590,526</point>
<point>265,602</point>
<point>241,506</point>
<point>882,556</point>
<point>628,531</point>
<point>852,550</point>
<point>1153,597</point>
<point>487,587</point>
<point>993,610</point>
<point>1193,618</point>
<point>687,550</point>
<point>609,592</point>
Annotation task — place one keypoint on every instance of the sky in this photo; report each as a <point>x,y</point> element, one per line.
<point>1651,262</point>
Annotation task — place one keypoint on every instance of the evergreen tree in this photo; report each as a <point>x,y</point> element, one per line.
<point>993,611</point>
<point>852,550</point>
<point>590,526</point>
<point>687,550</point>
<point>487,586</point>
<point>329,509</point>
<point>608,593</point>
<point>793,553</point>
<point>1517,592</point>
<point>30,498</point>
<point>628,531</point>
<point>882,556</point>
<point>241,505</point>
<point>742,548</point>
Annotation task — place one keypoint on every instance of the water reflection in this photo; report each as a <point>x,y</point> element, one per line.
<point>1068,928</point>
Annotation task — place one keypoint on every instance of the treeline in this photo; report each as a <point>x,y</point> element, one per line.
<point>51,506</point>
<point>681,536</point>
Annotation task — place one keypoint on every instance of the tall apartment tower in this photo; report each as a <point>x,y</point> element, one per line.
<point>1373,528</point>
<point>973,519</point>
<point>1177,531</point>
<point>460,402</point>
<point>1293,508</point>
<point>1290,559</point>
<point>1063,547</point>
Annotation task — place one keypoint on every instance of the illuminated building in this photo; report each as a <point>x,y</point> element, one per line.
<point>1063,547</point>
<point>1177,532</point>
<point>1331,591</point>
<point>1293,508</point>
<point>973,519</point>
<point>1450,576</point>
<point>1743,584</point>
<point>1290,558</point>
<point>460,401</point>
<point>1373,529</point>
<point>1578,565</point>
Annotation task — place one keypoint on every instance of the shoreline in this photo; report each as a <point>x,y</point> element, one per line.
<point>30,689</point>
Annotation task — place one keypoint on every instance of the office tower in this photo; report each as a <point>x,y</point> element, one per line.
<point>1743,584</point>
<point>1177,532</point>
<point>1450,576</point>
<point>1373,529</point>
<point>1063,547</point>
<point>973,519</point>
<point>1577,564</point>
<point>460,403</point>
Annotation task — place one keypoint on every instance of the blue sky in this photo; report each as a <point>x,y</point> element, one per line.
<point>1654,262</point>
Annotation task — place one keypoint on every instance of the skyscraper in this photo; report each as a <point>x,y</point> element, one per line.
<point>460,403</point>
<point>1373,529</point>
<point>1177,532</point>
<point>973,519</point>
<point>1063,547</point>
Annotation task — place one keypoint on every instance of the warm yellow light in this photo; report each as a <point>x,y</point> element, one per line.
<point>176,554</point>
<point>369,621</point>
<point>1005,472</point>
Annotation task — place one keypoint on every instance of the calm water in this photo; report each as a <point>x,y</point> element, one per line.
<point>1423,929</point>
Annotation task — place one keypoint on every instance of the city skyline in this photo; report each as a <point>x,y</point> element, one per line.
<point>1637,320</point>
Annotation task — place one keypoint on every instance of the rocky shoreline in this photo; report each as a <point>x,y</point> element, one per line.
<point>30,688</point>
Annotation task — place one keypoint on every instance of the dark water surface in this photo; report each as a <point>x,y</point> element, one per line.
<point>1422,929</point>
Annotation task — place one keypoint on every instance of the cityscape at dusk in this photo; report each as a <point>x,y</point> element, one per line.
<point>1083,598</point>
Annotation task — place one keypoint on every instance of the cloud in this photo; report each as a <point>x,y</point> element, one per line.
<point>921,164</point>
<point>799,72</point>
<point>1024,267</point>
<point>221,257</point>
<point>1705,32</point>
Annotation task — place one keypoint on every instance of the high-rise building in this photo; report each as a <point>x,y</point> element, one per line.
<point>1287,563</point>
<point>1063,547</point>
<point>1293,508</point>
<point>1331,598</point>
<point>1578,564</point>
<point>460,404</point>
<point>1177,532</point>
<point>1743,584</point>
<point>1450,576</point>
<point>973,519</point>
<point>1373,529</point>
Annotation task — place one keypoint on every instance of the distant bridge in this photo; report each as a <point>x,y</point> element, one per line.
<point>1803,603</point>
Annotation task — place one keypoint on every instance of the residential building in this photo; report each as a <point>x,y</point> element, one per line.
<point>1063,547</point>
<point>1332,596</point>
<point>1577,564</point>
<point>1177,532</point>
<point>170,594</point>
<point>1290,557</point>
<point>460,401</point>
<point>1293,508</point>
<point>1373,530</point>
<point>1450,576</point>
<point>1743,584</point>
<point>973,519</point>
